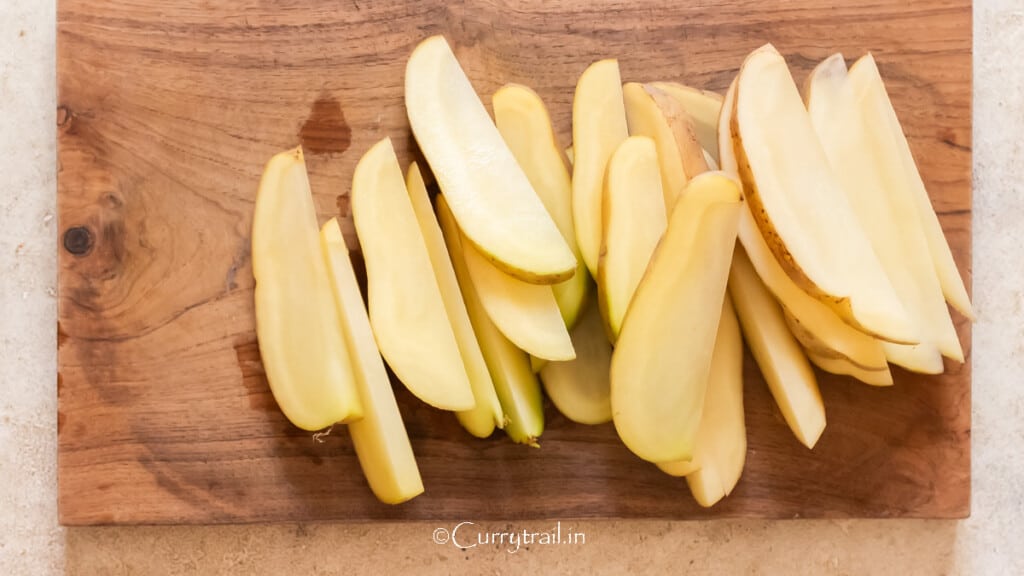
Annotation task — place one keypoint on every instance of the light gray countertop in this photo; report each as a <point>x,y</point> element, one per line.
<point>31,543</point>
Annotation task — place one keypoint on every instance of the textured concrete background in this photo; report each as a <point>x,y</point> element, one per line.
<point>31,543</point>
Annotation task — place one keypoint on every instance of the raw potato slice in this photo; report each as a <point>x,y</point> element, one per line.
<point>645,118</point>
<point>525,125</point>
<point>887,214</point>
<point>379,438</point>
<point>823,330</point>
<point>598,127</point>
<point>491,197</point>
<point>843,367</point>
<point>657,115</point>
<point>782,362</point>
<point>527,314</point>
<point>721,447</point>
<point>661,363</point>
<point>407,311</point>
<point>889,141</point>
<point>634,220</point>
<point>300,338</point>
<point>516,385</point>
<point>690,150</point>
<point>486,414</point>
<point>703,107</point>
<point>800,206</point>
<point>826,358</point>
<point>580,388</point>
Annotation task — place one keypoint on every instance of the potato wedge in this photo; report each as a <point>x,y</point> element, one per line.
<point>887,213</point>
<point>800,206</point>
<point>486,414</point>
<point>634,220</point>
<point>515,383</point>
<point>527,314</point>
<point>645,118</point>
<point>407,311</point>
<point>490,195</point>
<point>821,329</point>
<point>300,337</point>
<point>721,448</point>
<point>525,125</point>
<point>379,438</point>
<point>890,143</point>
<point>598,127</point>
<point>703,106</point>
<point>782,362</point>
<point>843,367</point>
<point>580,388</point>
<point>662,359</point>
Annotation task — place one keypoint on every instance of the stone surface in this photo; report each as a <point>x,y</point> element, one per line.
<point>32,543</point>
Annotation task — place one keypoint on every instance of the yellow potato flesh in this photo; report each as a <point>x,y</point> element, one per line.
<point>515,383</point>
<point>634,220</point>
<point>527,314</point>
<point>407,311</point>
<point>823,329</point>
<point>300,337</point>
<point>662,358</point>
<point>721,448</point>
<point>800,206</point>
<point>525,125</point>
<point>598,127</point>
<point>704,108</point>
<point>886,212</point>
<point>782,362</point>
<point>889,141</point>
<point>486,414</point>
<point>490,195</point>
<point>379,438</point>
<point>645,118</point>
<point>580,388</point>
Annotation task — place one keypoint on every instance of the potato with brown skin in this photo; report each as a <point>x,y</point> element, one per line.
<point>800,208</point>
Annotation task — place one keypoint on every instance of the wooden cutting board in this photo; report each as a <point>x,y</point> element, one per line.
<point>167,113</point>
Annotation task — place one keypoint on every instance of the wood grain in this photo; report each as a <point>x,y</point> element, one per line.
<point>167,112</point>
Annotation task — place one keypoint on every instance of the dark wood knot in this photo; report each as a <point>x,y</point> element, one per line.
<point>78,240</point>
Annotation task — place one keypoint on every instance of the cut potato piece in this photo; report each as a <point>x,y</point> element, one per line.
<point>525,125</point>
<point>843,367</point>
<point>662,359</point>
<point>379,438</point>
<point>890,144</point>
<point>645,118</point>
<point>407,311</point>
<point>721,447</point>
<point>828,333</point>
<point>653,113</point>
<point>819,350</point>
<point>516,385</point>
<point>580,388</point>
<point>486,413</point>
<point>634,220</point>
<point>300,338</point>
<point>800,206</point>
<point>527,314</point>
<point>703,107</point>
<point>598,127</point>
<point>782,362</point>
<point>690,151</point>
<point>491,197</point>
<point>887,214</point>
